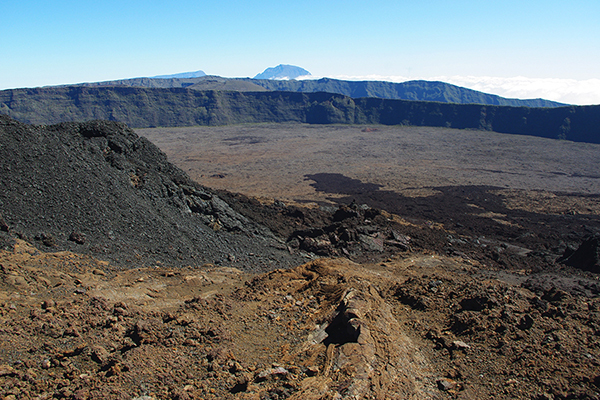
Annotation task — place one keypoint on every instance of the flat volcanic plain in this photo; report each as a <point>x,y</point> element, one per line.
<point>307,163</point>
<point>273,160</point>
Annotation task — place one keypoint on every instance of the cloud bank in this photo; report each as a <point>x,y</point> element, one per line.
<point>569,91</point>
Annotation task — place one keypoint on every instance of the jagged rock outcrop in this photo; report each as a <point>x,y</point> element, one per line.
<point>586,257</point>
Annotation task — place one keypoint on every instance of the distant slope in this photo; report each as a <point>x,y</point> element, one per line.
<point>412,90</point>
<point>142,82</point>
<point>225,84</point>
<point>142,107</point>
<point>207,82</point>
<point>196,74</point>
<point>282,71</point>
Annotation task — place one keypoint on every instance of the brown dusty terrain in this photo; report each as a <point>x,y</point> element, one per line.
<point>272,160</point>
<point>416,326</point>
<point>453,292</point>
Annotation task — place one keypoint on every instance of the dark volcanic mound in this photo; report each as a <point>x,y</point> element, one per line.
<point>98,188</point>
<point>587,256</point>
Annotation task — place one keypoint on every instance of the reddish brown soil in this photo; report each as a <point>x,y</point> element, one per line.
<point>415,326</point>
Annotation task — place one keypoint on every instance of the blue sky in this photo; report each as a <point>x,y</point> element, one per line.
<point>519,47</point>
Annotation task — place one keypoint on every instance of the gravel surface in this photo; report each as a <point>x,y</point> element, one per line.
<point>98,188</point>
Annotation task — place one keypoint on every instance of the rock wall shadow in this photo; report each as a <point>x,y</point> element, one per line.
<point>468,210</point>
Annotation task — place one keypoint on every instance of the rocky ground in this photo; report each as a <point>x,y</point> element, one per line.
<point>467,292</point>
<point>416,325</point>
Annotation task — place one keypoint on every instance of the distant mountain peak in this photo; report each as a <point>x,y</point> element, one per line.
<point>183,75</point>
<point>282,72</point>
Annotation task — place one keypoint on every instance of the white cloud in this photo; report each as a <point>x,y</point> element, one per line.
<point>298,78</point>
<point>570,91</point>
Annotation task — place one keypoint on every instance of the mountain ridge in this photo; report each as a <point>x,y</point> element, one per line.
<point>418,90</point>
<point>411,90</point>
<point>194,74</point>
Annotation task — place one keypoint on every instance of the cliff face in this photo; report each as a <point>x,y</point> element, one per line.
<point>142,108</point>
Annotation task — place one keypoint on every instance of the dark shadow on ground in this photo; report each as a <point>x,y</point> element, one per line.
<point>474,211</point>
